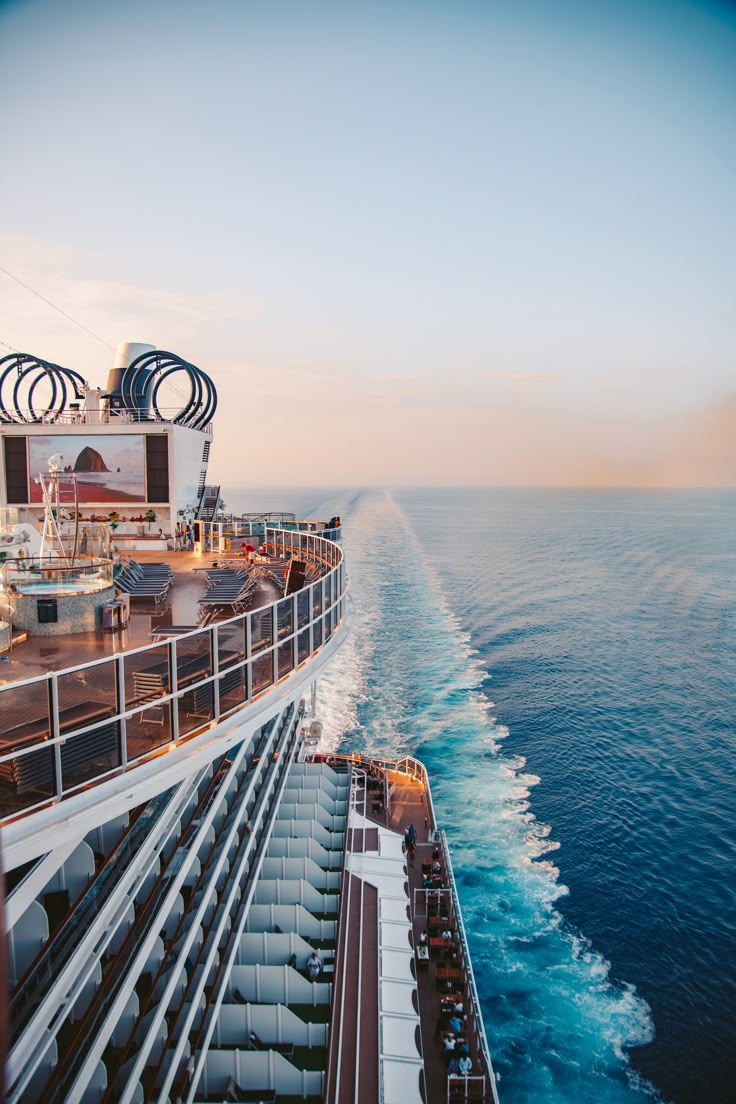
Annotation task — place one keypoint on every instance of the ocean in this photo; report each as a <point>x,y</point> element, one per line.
<point>564,662</point>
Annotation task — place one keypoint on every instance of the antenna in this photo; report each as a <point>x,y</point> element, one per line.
<point>52,545</point>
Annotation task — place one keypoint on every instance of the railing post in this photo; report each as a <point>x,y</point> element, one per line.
<point>249,657</point>
<point>120,692</point>
<point>55,732</point>
<point>174,689</point>
<point>275,637</point>
<point>295,638</point>
<point>215,672</point>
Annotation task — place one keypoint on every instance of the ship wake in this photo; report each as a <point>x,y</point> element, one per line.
<point>408,681</point>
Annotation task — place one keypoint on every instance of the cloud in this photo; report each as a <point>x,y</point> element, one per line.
<point>111,309</point>
<point>325,416</point>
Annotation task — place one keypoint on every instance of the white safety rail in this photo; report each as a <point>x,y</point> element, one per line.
<point>480,1031</point>
<point>224,535</point>
<point>75,728</point>
<point>408,765</point>
<point>382,867</point>
<point>414,768</point>
<point>125,416</point>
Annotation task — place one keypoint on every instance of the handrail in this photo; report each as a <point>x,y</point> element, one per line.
<point>414,768</point>
<point>233,528</point>
<point>296,629</point>
<point>470,977</point>
<point>123,415</point>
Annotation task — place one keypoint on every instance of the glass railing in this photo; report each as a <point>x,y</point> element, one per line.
<point>227,536</point>
<point>74,728</point>
<point>52,576</point>
<point>415,769</point>
<point>75,414</point>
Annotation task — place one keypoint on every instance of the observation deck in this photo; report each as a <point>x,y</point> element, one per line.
<point>81,741</point>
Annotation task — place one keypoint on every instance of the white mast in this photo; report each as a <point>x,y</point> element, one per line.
<point>52,546</point>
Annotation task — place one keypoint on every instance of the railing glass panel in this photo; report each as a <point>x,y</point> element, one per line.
<point>193,664</point>
<point>261,631</point>
<point>90,754</point>
<point>316,599</point>
<point>230,643</point>
<point>286,658</point>
<point>28,777</point>
<point>233,689</point>
<point>147,680</point>
<point>284,613</point>
<point>302,608</point>
<point>262,667</point>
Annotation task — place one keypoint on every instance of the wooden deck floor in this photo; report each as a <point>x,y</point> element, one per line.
<point>41,654</point>
<point>409,807</point>
<point>353,1049</point>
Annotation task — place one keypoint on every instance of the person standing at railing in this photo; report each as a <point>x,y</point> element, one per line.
<point>314,966</point>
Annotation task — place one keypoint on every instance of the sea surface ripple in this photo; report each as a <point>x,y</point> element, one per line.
<point>590,809</point>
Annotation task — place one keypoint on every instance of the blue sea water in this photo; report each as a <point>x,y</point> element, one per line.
<point>565,664</point>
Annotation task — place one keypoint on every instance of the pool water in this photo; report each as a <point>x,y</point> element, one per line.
<point>78,586</point>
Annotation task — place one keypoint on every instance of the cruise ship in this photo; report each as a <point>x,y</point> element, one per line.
<point>200,905</point>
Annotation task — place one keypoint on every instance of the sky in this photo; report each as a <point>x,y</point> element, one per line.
<point>446,242</point>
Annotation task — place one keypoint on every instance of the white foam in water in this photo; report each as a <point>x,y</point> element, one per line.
<point>408,680</point>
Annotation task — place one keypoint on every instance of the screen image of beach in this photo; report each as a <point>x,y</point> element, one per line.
<point>109,468</point>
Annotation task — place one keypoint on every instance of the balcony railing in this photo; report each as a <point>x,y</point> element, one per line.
<point>226,535</point>
<point>74,728</point>
<point>72,416</point>
<point>51,577</point>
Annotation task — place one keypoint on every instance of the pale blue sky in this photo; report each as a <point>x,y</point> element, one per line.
<point>496,239</point>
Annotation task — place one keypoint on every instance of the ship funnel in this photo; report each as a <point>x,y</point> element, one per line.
<point>127,352</point>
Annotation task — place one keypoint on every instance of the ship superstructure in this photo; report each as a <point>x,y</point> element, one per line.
<point>177,852</point>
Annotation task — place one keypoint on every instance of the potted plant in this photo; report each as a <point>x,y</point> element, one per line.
<point>150,517</point>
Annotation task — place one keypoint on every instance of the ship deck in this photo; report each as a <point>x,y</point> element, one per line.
<point>39,655</point>
<point>87,694</point>
<point>441,977</point>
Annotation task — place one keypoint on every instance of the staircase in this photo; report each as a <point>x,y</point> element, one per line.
<point>208,503</point>
<point>203,474</point>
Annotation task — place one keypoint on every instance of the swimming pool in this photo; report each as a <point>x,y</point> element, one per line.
<point>49,588</point>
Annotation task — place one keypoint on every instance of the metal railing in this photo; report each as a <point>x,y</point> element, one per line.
<point>480,1030</point>
<point>103,416</point>
<point>415,769</point>
<point>408,765</point>
<point>223,536</point>
<point>47,576</point>
<point>76,727</point>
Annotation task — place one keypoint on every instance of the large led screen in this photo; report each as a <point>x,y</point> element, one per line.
<point>108,468</point>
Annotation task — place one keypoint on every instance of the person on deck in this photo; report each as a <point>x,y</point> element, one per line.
<point>465,1065</point>
<point>314,966</point>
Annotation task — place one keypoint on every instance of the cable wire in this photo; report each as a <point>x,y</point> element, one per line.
<point>54,307</point>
